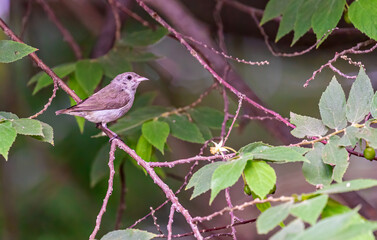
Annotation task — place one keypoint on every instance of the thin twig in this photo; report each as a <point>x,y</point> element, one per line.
<point>170,222</point>
<point>118,24</point>
<point>198,57</point>
<point>108,192</point>
<point>155,220</point>
<point>53,95</point>
<point>66,34</point>
<point>187,160</point>
<point>241,97</point>
<point>25,18</point>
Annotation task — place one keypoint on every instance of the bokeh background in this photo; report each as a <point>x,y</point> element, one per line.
<point>45,191</point>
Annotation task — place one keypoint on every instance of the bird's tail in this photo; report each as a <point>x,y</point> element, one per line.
<point>60,111</point>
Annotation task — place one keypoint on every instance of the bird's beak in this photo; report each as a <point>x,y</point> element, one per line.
<point>143,79</point>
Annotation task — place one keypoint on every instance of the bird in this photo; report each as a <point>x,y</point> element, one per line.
<point>109,103</point>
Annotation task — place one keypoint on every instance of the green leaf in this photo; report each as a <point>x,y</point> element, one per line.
<point>327,16</point>
<point>136,118</point>
<point>205,131</point>
<point>208,116</point>
<point>27,126</point>
<point>289,17</point>
<point>334,155</point>
<point>129,234</point>
<point>43,80</point>
<point>144,149</point>
<point>309,210</point>
<point>369,134</point>
<point>362,14</point>
<point>156,132</point>
<point>201,180</point>
<point>144,100</point>
<point>7,116</point>
<point>7,136</point>
<point>348,186</point>
<point>274,8</point>
<point>253,147</point>
<point>74,85</point>
<point>307,126</point>
<point>11,51</point>
<point>350,137</point>
<point>341,226</point>
<point>360,98</point>
<point>303,20</point>
<point>317,172</point>
<point>260,177</point>
<point>183,129</point>
<point>88,75</point>
<point>48,134</point>
<point>373,106</point>
<point>332,105</point>
<point>279,154</point>
<point>270,218</point>
<point>225,176</point>
<point>291,230</point>
<point>144,37</point>
<point>115,62</point>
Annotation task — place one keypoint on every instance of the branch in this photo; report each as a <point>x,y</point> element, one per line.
<point>122,201</point>
<point>66,34</point>
<point>109,190</point>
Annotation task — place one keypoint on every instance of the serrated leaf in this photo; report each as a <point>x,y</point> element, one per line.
<point>225,176</point>
<point>279,154</point>
<point>208,116</point>
<point>183,129</point>
<point>43,80</point>
<point>348,186</point>
<point>317,172</point>
<point>274,8</point>
<point>7,136</point>
<point>144,36</point>
<point>291,230</point>
<point>270,218</point>
<point>360,98</point>
<point>334,155</point>
<point>327,16</point>
<point>136,118</point>
<point>260,177</point>
<point>115,62</point>
<point>7,116</point>
<point>373,106</point>
<point>304,19</point>
<point>27,126</point>
<point>88,74</point>
<point>343,226</point>
<point>156,132</point>
<point>307,126</point>
<point>11,51</point>
<point>144,149</point>
<point>332,106</point>
<point>309,210</point>
<point>48,134</point>
<point>201,180</point>
<point>129,234</point>
<point>350,137</point>
<point>252,147</point>
<point>289,17</point>
<point>361,13</point>
<point>369,134</point>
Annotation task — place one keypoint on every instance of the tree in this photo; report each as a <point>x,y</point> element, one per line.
<point>324,145</point>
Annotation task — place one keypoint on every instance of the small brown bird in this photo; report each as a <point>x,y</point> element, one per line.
<point>109,103</point>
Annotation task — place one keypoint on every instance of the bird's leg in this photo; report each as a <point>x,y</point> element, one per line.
<point>108,131</point>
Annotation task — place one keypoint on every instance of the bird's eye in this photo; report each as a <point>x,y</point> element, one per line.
<point>129,77</point>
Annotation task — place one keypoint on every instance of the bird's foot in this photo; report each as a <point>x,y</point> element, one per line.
<point>114,137</point>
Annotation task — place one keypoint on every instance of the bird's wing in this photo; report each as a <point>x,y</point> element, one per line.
<point>106,98</point>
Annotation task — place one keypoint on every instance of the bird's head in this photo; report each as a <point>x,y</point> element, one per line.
<point>129,80</point>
